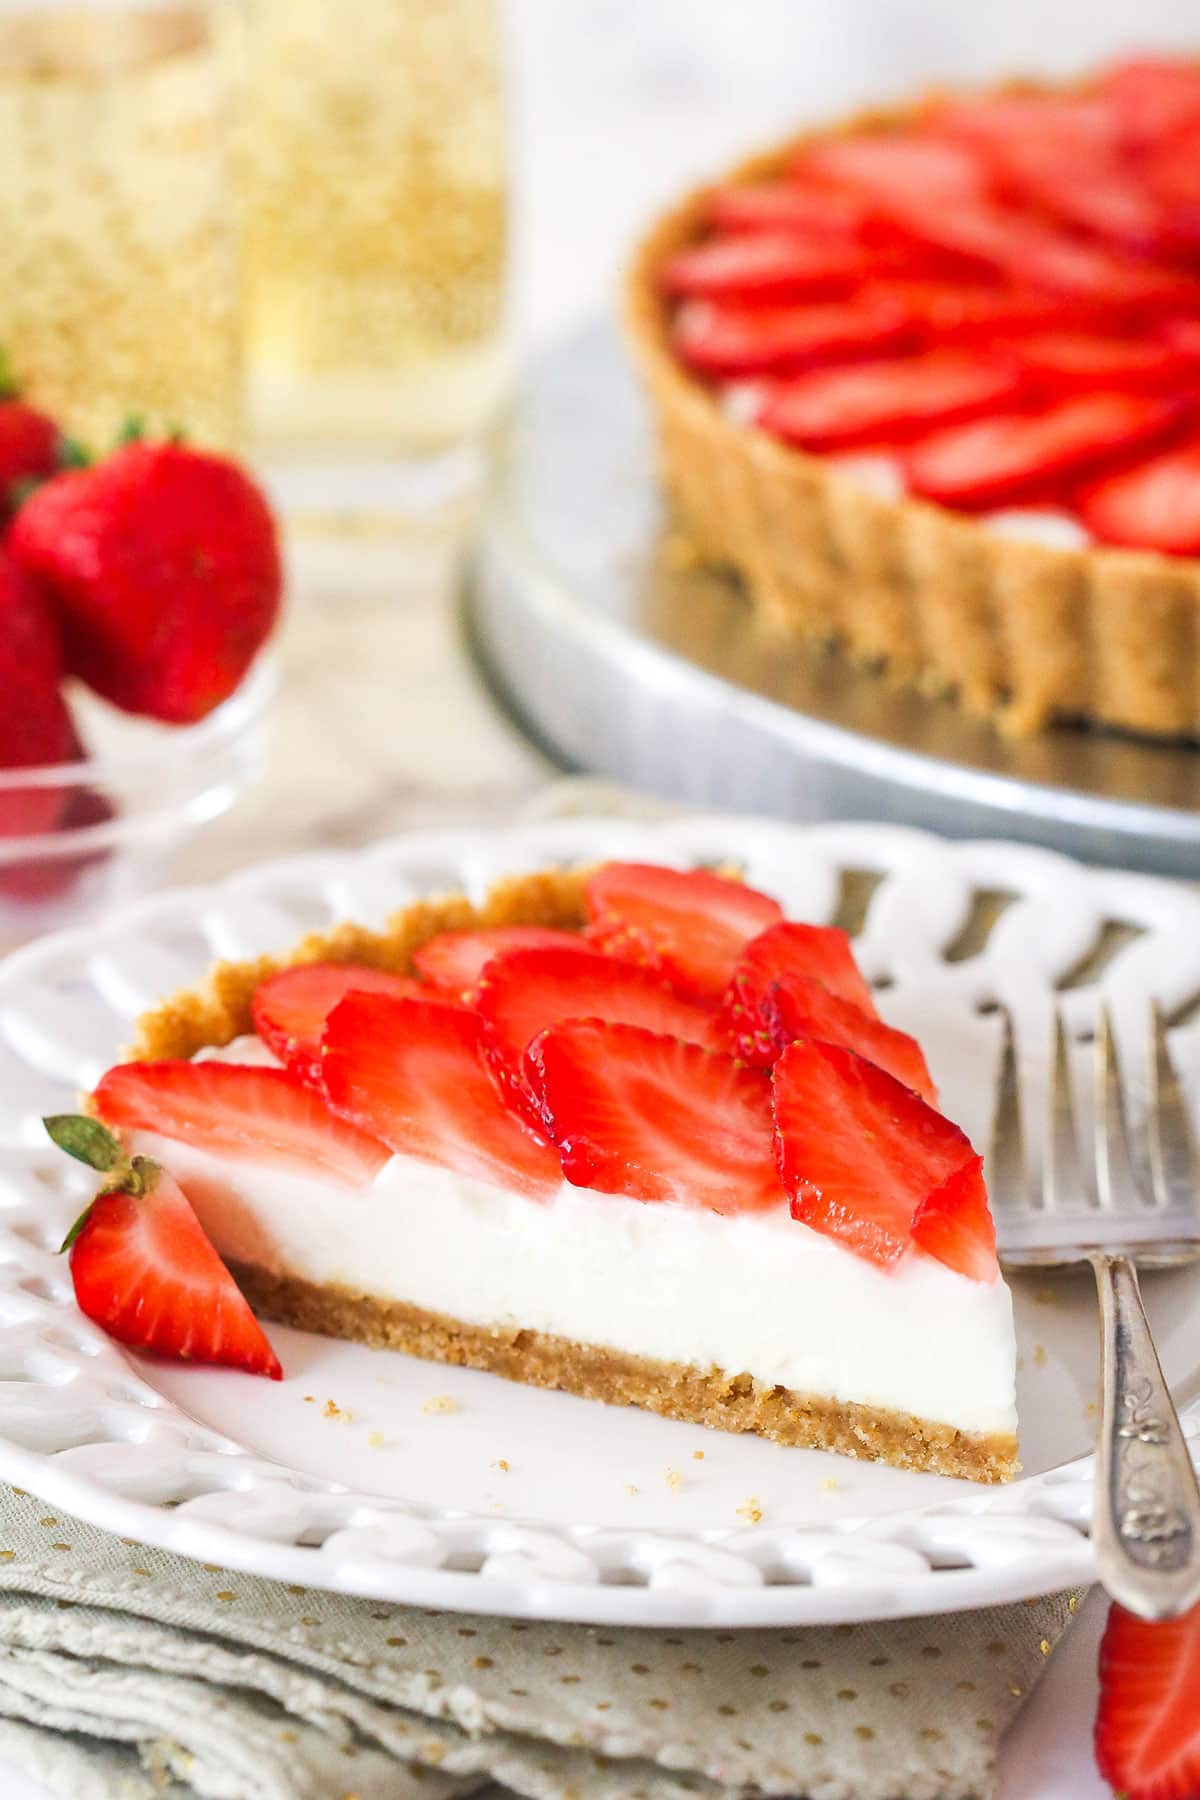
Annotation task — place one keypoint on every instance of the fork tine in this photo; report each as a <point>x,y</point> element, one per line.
<point>1060,1172</point>
<point>1006,1169</point>
<point>1168,1127</point>
<point>1115,1188</point>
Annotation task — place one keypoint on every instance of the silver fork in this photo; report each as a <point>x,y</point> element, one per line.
<point>1139,1207</point>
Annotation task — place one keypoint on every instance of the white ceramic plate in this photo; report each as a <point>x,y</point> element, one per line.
<point>503,1499</point>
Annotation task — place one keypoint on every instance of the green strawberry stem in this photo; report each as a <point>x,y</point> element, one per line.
<point>90,1142</point>
<point>9,386</point>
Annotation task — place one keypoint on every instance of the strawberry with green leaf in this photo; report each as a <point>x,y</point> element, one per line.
<point>142,1267</point>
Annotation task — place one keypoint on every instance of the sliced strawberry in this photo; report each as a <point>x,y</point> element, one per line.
<point>454,960</point>
<point>769,266</point>
<point>1152,97</point>
<point>636,1113</point>
<point>254,1114</point>
<point>1153,506</point>
<point>954,1224</point>
<point>951,312</point>
<point>142,1267</point>
<point>525,991</point>
<point>797,1006</point>
<point>890,167</point>
<point>1148,1723</point>
<point>1172,173</point>
<point>1077,123</point>
<point>1183,338</point>
<point>888,401</point>
<point>690,925</point>
<point>412,1073</point>
<point>723,339</point>
<point>1103,197</point>
<point>809,208</point>
<point>290,1009</point>
<point>819,952</point>
<point>1029,456</point>
<point>858,1151</point>
<point>1080,362</point>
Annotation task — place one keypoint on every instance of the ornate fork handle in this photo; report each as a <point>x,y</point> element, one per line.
<point>1146,1525</point>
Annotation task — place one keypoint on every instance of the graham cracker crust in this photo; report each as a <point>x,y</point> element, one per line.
<point>1021,633</point>
<point>712,1397</point>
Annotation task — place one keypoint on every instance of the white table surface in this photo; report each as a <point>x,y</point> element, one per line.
<point>615,107</point>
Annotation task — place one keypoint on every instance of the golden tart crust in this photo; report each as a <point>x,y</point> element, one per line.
<point>1023,633</point>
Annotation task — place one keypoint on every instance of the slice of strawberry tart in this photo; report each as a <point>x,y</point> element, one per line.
<point>623,1131</point>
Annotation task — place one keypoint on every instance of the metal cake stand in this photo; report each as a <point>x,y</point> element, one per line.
<point>624,659</point>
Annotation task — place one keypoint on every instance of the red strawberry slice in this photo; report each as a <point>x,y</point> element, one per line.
<point>1029,456</point>
<point>1183,338</point>
<point>859,1152</point>
<point>796,1006</point>
<point>146,1274</point>
<point>950,312</point>
<point>1080,362</point>
<point>454,960</point>
<point>1152,98</point>
<point>1153,506</point>
<point>1148,1723</point>
<point>766,266</point>
<point>526,991</point>
<point>254,1114</point>
<point>290,1009</point>
<point>722,339</point>
<point>888,401</point>
<point>412,1073</point>
<point>1072,123</point>
<point>954,1224</point>
<point>820,952</point>
<point>1101,196</point>
<point>689,925</point>
<point>889,167</point>
<point>636,1113</point>
<point>810,209</point>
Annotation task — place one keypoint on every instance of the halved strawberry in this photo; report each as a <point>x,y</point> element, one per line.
<point>819,952</point>
<point>454,960</point>
<point>290,1009</point>
<point>858,1151</point>
<point>143,1269</point>
<point>797,1006</point>
<point>888,401</point>
<point>636,1113</point>
<point>412,1073</point>
<point>724,339</point>
<point>255,1114</point>
<point>809,208</point>
<point>525,991</point>
<point>1029,456</point>
<point>890,167</point>
<point>1148,1723</point>
<point>1082,362</point>
<point>1153,506</point>
<point>765,266</point>
<point>954,1224</point>
<point>690,925</point>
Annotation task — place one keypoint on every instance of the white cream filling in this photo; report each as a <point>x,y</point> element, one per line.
<point>1038,525</point>
<point>758,1294</point>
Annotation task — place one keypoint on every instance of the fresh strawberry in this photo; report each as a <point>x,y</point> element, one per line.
<point>954,1224</point>
<point>254,1114</point>
<point>860,1154</point>
<point>290,1009</point>
<point>888,401</point>
<point>689,925</point>
<point>164,567</point>
<point>636,1113</point>
<point>1172,173</point>
<point>1152,98</point>
<point>143,1269</point>
<point>31,450</point>
<point>811,209</point>
<point>1080,362</point>
<point>1075,124</point>
<point>1148,1723</point>
<point>1029,456</point>
<point>60,862</point>
<point>1153,506</point>
<point>723,339</point>
<point>525,991</point>
<point>819,952</point>
<point>767,266</point>
<point>35,727</point>
<point>454,961</point>
<point>412,1072</point>
<point>797,1006</point>
<point>954,312</point>
<point>898,167</point>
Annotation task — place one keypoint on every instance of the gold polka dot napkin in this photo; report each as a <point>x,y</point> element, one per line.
<point>127,1674</point>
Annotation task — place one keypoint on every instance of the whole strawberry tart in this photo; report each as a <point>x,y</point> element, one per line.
<point>929,383</point>
<point>625,1131</point>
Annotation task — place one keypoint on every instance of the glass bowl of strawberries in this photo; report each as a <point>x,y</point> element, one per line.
<point>137,593</point>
